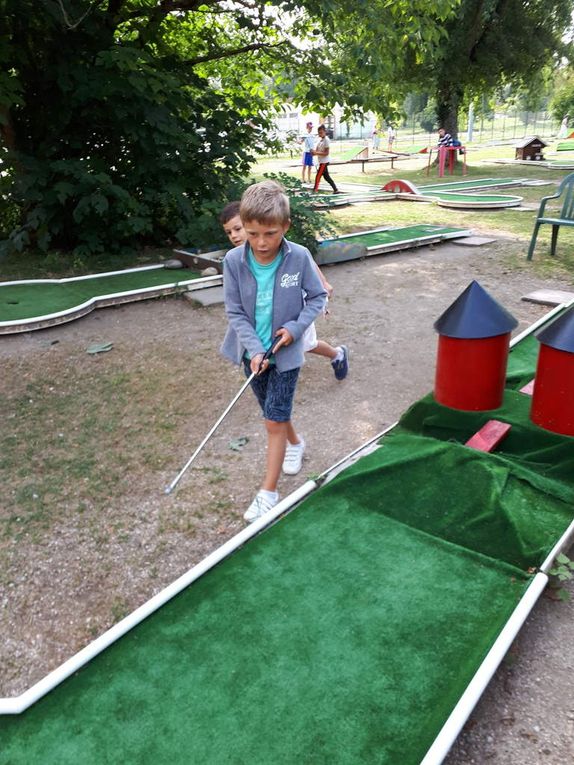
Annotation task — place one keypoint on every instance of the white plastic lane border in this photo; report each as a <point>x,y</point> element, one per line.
<point>474,690</point>
<point>77,311</point>
<point>17,704</point>
<point>454,724</point>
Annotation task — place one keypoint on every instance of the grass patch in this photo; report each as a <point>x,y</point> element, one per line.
<point>73,447</point>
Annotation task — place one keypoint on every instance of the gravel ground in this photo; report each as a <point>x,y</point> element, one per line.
<point>102,548</point>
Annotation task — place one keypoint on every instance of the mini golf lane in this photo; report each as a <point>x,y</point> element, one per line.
<point>471,201</point>
<point>35,304</point>
<point>473,185</point>
<point>380,241</point>
<point>347,633</point>
<point>450,194</point>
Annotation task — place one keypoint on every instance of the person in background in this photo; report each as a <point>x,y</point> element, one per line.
<point>376,140</point>
<point>321,151</point>
<point>563,132</point>
<point>391,135</point>
<point>444,138</point>
<point>308,142</point>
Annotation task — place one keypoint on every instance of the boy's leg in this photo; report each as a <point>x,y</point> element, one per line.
<point>339,357</point>
<point>275,392</point>
<point>324,349</point>
<point>327,177</point>
<point>276,445</point>
<point>320,170</point>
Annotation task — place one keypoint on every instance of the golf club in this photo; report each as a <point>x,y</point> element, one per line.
<point>236,398</point>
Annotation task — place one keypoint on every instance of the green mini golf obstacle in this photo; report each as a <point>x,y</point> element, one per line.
<point>40,303</point>
<point>383,240</point>
<point>362,628</point>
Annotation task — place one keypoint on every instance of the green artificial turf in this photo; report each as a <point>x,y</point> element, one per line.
<point>337,636</point>
<point>36,299</point>
<point>345,633</point>
<point>475,183</point>
<point>470,198</point>
<point>347,156</point>
<point>512,505</point>
<point>391,236</point>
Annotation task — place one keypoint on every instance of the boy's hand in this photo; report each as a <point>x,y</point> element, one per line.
<point>282,337</point>
<point>256,366</point>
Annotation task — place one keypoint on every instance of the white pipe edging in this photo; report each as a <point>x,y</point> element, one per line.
<point>93,301</point>
<point>66,279</point>
<point>563,544</point>
<point>18,704</point>
<point>474,690</point>
<point>533,327</point>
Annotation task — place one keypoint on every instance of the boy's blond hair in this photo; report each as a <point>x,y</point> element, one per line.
<point>265,202</point>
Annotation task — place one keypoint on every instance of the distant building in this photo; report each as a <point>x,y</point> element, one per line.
<point>294,120</point>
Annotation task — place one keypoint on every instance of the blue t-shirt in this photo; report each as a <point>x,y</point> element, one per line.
<point>265,278</point>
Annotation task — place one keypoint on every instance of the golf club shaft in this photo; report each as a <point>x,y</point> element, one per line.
<point>176,480</point>
<point>244,387</point>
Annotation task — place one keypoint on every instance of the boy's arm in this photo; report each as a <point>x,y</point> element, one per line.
<point>236,313</point>
<point>324,281</point>
<point>316,296</point>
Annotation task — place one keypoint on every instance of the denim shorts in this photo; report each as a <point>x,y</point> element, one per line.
<point>274,391</point>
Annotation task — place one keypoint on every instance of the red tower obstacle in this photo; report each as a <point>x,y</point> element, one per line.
<point>474,337</point>
<point>553,397</point>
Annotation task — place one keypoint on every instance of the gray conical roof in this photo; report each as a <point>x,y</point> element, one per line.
<point>560,333</point>
<point>475,314</point>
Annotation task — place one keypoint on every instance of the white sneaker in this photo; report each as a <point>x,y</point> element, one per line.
<point>262,503</point>
<point>294,457</point>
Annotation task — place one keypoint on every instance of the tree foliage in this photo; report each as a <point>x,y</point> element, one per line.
<point>123,121</point>
<point>563,99</point>
<point>131,121</point>
<point>490,42</point>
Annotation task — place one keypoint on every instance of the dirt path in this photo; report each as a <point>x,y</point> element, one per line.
<point>88,534</point>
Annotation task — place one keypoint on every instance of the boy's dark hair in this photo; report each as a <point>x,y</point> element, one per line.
<point>322,127</point>
<point>229,211</point>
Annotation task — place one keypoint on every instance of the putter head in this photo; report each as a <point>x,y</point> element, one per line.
<point>167,490</point>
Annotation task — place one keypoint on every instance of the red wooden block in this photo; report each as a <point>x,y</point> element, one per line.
<point>489,436</point>
<point>528,389</point>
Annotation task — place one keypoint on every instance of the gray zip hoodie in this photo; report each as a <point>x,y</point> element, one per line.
<point>298,298</point>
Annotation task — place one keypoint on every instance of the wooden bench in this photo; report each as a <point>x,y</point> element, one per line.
<point>566,217</point>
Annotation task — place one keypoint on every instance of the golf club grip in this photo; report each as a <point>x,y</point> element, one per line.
<point>267,355</point>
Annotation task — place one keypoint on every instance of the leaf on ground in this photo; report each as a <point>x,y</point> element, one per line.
<point>99,348</point>
<point>237,444</point>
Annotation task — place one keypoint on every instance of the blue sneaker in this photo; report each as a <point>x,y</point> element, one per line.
<point>341,366</point>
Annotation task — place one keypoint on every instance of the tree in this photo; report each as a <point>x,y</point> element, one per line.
<point>126,121</point>
<point>132,121</point>
<point>491,42</point>
<point>563,100</point>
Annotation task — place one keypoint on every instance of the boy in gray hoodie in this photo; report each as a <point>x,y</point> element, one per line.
<point>272,294</point>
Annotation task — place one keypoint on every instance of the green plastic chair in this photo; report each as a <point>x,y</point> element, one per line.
<point>566,217</point>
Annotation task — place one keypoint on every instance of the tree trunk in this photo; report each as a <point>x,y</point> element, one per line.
<point>448,100</point>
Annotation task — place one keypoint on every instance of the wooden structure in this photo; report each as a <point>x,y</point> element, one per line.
<point>530,148</point>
